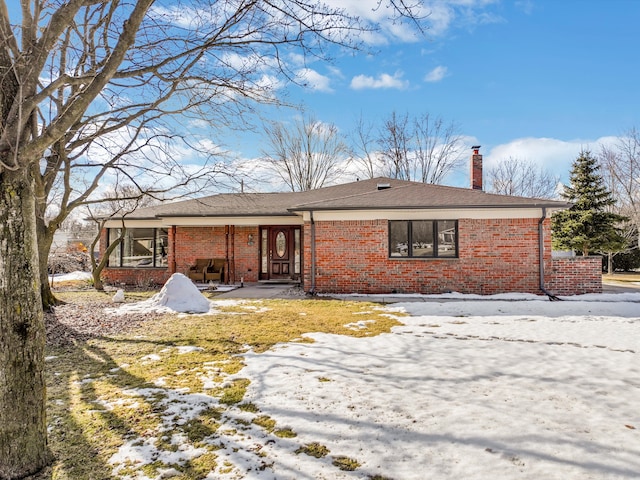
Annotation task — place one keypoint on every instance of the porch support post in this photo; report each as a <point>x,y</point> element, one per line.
<point>172,252</point>
<point>226,255</point>
<point>313,254</point>
<point>232,267</point>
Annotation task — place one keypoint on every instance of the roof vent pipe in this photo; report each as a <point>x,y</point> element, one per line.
<point>476,168</point>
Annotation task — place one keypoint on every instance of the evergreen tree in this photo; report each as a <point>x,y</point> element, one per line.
<point>589,225</point>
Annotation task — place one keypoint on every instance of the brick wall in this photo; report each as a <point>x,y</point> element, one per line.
<point>142,277</point>
<point>495,256</point>
<point>246,256</point>
<point>574,275</point>
<point>197,242</point>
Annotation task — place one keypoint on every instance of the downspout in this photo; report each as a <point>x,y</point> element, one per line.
<point>312,291</point>
<point>541,255</point>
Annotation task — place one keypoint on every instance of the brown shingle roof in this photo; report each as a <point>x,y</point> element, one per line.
<point>362,195</point>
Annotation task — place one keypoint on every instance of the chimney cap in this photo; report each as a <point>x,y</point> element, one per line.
<point>476,147</point>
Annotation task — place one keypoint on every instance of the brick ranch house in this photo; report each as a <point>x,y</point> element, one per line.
<point>373,236</point>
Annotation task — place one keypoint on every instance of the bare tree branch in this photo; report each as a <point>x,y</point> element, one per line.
<point>438,148</point>
<point>308,155</point>
<point>523,178</point>
<point>621,168</point>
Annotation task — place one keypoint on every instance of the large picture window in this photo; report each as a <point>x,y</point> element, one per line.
<point>140,247</point>
<point>423,238</point>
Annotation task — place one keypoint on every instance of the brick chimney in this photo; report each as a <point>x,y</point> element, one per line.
<point>476,168</point>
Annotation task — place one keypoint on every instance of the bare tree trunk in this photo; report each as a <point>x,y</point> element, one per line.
<point>98,266</point>
<point>23,436</point>
<point>45,240</point>
<point>610,263</point>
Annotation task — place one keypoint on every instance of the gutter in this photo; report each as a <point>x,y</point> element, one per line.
<point>541,255</point>
<point>508,206</point>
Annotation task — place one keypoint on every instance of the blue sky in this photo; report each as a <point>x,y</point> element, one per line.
<point>537,79</point>
<point>534,79</point>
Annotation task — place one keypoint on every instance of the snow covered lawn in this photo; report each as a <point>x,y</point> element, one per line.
<point>464,389</point>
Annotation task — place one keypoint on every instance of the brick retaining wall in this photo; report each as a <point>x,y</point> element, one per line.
<point>574,275</point>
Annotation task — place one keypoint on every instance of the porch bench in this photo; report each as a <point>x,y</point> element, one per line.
<point>196,271</point>
<point>207,270</point>
<point>215,270</point>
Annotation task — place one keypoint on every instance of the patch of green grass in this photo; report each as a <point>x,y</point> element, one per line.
<point>266,422</point>
<point>205,426</point>
<point>248,407</point>
<point>622,277</point>
<point>313,449</point>
<point>285,433</point>
<point>234,393</point>
<point>199,468</point>
<point>346,463</point>
<point>152,469</point>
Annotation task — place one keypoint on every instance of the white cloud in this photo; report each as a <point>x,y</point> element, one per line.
<point>526,6</point>
<point>551,154</point>
<point>384,80</point>
<point>314,80</point>
<point>436,75</point>
<point>297,59</point>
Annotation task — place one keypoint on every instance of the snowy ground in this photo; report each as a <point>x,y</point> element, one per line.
<point>71,277</point>
<point>514,387</point>
<point>471,389</point>
<point>501,387</point>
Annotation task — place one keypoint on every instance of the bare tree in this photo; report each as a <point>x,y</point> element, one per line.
<point>423,148</point>
<point>394,141</point>
<point>363,152</point>
<point>439,148</point>
<point>523,178</point>
<point>119,203</point>
<point>75,74</point>
<point>71,180</point>
<point>307,155</point>
<point>621,168</point>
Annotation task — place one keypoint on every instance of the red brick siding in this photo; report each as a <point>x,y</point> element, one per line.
<point>574,276</point>
<point>197,242</point>
<point>247,261</point>
<point>495,256</point>
<point>143,277</point>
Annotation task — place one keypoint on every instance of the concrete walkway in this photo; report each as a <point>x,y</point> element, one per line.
<point>261,290</point>
<point>289,291</point>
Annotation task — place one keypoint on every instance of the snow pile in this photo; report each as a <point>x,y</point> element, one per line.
<point>71,277</point>
<point>179,294</point>
<point>118,297</point>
